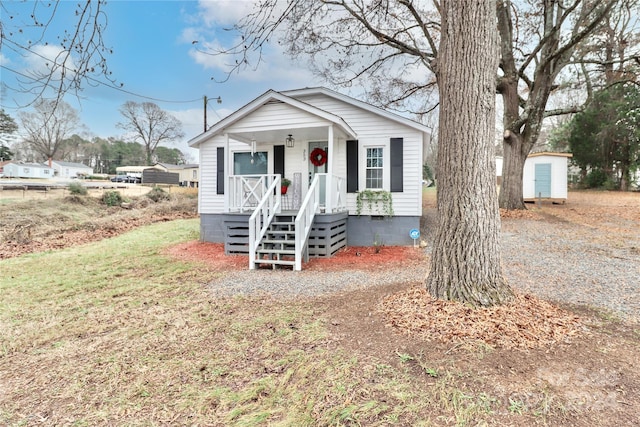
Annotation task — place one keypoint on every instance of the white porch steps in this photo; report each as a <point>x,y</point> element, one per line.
<point>277,248</point>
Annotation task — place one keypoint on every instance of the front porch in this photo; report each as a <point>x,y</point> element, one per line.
<point>284,229</point>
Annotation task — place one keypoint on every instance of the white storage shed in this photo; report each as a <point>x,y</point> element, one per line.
<point>545,176</point>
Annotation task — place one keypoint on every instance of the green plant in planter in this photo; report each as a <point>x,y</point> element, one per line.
<point>284,185</point>
<point>381,198</point>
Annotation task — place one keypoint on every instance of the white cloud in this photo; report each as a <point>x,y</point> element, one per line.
<point>193,125</point>
<point>274,65</point>
<point>4,60</point>
<point>224,12</point>
<point>40,59</point>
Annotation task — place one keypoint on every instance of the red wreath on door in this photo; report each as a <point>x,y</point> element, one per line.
<point>318,157</point>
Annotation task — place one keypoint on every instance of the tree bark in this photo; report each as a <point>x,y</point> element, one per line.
<point>511,193</point>
<point>465,263</point>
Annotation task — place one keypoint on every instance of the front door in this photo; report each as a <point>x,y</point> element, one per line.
<point>543,180</point>
<point>318,160</point>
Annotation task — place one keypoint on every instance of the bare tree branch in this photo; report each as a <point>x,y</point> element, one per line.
<point>149,124</point>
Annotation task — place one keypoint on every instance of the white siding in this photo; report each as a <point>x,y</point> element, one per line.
<point>558,176</point>
<point>372,129</point>
<point>375,130</point>
<point>276,116</point>
<point>27,170</point>
<point>208,201</point>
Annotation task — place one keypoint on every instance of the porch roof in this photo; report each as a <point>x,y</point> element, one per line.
<point>223,125</point>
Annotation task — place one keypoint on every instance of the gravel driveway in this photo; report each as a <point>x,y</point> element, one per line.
<point>557,260</point>
<point>573,263</point>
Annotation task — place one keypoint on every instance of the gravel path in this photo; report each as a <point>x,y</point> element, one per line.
<point>559,261</point>
<point>566,262</point>
<point>291,284</point>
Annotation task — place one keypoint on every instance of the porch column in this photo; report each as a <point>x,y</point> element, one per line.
<point>329,196</point>
<point>226,172</point>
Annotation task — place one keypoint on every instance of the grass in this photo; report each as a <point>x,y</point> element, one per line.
<point>116,333</point>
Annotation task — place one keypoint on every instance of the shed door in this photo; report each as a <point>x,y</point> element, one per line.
<point>543,180</point>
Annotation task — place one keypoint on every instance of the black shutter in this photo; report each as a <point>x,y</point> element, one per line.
<point>352,166</point>
<point>397,171</point>
<point>278,160</point>
<point>220,171</point>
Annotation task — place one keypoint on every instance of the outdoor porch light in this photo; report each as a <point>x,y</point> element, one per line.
<point>289,141</point>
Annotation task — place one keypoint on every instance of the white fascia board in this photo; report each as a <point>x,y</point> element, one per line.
<point>361,104</point>
<point>270,95</point>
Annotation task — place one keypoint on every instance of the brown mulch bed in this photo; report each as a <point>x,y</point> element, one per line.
<point>526,322</point>
<point>364,257</point>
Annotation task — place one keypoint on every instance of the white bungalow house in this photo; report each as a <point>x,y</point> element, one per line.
<point>70,169</point>
<point>27,170</point>
<point>355,169</point>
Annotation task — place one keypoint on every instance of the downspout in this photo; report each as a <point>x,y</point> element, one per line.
<point>226,173</point>
<point>329,194</point>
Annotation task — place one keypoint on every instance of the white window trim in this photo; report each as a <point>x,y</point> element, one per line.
<point>386,175</point>
<point>268,150</point>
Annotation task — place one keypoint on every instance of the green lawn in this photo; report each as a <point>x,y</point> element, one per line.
<point>116,333</point>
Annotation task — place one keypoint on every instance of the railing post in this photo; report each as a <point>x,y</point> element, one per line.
<point>329,194</point>
<point>252,245</point>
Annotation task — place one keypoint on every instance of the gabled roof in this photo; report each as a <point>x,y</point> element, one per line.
<point>549,153</point>
<point>290,98</point>
<point>185,166</point>
<point>30,165</point>
<point>365,106</point>
<point>70,164</point>
<point>269,96</point>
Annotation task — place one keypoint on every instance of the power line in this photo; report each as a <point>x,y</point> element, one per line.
<point>120,89</point>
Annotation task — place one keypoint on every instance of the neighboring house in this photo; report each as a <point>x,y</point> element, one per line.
<point>70,170</point>
<point>2,168</point>
<point>336,150</point>
<point>189,174</point>
<point>545,176</point>
<point>27,170</point>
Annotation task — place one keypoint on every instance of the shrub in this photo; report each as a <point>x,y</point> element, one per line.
<point>112,198</point>
<point>157,194</point>
<point>78,189</point>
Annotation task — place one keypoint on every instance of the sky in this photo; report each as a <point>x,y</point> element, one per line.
<point>156,59</point>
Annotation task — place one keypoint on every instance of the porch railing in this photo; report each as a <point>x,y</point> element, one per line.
<point>246,191</point>
<point>262,195</point>
<point>335,194</point>
<point>304,220</point>
<point>261,218</point>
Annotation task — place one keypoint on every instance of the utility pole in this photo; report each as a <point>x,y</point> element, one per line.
<point>206,101</point>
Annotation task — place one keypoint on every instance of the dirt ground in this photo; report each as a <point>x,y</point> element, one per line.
<point>34,221</point>
<point>572,364</point>
<point>583,372</point>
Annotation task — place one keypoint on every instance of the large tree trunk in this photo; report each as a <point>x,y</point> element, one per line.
<point>515,154</point>
<point>465,263</point>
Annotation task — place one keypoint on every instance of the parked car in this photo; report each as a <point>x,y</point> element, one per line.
<point>127,179</point>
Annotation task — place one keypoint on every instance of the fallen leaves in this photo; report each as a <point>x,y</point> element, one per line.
<point>526,322</point>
